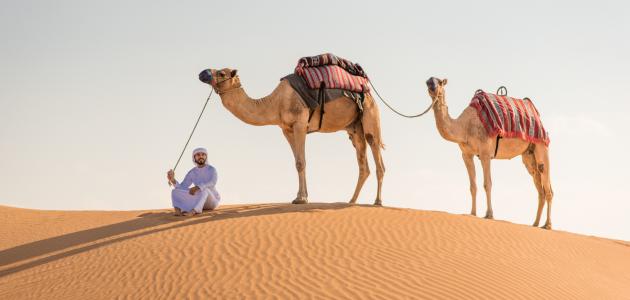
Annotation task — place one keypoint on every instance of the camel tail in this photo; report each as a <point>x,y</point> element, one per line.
<point>379,139</point>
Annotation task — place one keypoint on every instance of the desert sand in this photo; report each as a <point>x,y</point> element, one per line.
<point>289,251</point>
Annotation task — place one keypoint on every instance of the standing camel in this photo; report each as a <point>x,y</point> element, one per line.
<point>470,134</point>
<point>284,108</point>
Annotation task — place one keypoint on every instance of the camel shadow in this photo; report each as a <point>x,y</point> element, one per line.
<point>59,247</point>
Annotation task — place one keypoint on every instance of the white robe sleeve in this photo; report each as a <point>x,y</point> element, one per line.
<point>186,183</point>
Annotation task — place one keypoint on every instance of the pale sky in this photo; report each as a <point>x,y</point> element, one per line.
<point>98,97</point>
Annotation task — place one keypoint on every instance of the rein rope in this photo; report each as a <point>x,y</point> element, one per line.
<point>397,112</point>
<point>193,131</point>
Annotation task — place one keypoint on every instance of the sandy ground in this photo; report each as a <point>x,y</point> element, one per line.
<point>300,251</point>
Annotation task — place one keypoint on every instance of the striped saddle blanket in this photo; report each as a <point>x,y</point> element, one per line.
<point>332,72</point>
<point>510,117</point>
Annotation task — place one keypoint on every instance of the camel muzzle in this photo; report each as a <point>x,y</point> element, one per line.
<point>431,84</point>
<point>205,76</point>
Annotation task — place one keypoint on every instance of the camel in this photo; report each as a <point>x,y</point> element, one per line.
<point>471,136</point>
<point>284,108</point>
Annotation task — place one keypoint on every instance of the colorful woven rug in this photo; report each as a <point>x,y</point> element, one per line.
<point>332,72</point>
<point>510,117</point>
<point>329,59</point>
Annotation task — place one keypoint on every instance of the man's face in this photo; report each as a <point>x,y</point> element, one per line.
<point>200,158</point>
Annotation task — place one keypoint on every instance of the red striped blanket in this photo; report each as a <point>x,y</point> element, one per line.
<point>334,77</point>
<point>510,117</point>
<point>334,72</point>
<point>329,59</point>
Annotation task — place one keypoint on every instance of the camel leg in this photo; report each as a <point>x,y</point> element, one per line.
<point>300,165</point>
<point>541,154</point>
<point>530,163</point>
<point>372,129</point>
<point>487,184</point>
<point>470,167</point>
<point>358,141</point>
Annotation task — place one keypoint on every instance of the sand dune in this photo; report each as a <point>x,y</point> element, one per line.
<point>300,251</point>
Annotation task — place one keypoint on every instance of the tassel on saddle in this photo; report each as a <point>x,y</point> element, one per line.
<point>496,147</point>
<point>320,103</point>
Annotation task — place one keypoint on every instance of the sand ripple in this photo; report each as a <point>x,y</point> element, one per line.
<point>319,251</point>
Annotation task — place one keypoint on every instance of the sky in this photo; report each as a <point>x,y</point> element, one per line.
<point>97,99</point>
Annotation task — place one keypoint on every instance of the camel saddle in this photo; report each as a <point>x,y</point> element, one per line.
<point>507,117</point>
<point>329,59</point>
<point>319,79</point>
<point>315,97</point>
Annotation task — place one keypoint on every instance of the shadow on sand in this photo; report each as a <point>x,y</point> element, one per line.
<point>144,221</point>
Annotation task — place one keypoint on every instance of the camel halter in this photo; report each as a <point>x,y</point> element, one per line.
<point>216,89</point>
<point>191,133</point>
<point>401,114</point>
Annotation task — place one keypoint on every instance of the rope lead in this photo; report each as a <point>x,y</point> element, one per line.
<point>400,114</point>
<point>193,131</point>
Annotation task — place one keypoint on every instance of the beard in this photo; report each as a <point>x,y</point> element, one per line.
<point>200,161</point>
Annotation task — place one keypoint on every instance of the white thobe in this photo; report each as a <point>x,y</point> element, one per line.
<point>206,197</point>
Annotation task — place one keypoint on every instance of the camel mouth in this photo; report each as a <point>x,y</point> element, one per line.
<point>205,76</point>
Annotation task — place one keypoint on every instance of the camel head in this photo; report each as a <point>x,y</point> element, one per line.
<point>221,80</point>
<point>436,87</point>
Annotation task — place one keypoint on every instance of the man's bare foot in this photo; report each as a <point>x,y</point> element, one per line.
<point>178,212</point>
<point>190,213</point>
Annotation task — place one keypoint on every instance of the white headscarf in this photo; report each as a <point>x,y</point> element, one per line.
<point>199,150</point>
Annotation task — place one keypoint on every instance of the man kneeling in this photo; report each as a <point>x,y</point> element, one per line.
<point>193,200</point>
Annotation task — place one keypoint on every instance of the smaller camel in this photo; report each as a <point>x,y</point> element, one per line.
<point>470,134</point>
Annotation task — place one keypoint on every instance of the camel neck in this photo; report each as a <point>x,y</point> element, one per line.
<point>257,112</point>
<point>443,121</point>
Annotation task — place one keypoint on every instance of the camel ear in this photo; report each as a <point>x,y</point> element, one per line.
<point>234,73</point>
<point>444,81</point>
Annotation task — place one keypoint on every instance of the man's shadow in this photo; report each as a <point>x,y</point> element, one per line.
<point>67,244</point>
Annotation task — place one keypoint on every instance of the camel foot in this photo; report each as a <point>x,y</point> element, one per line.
<point>535,224</point>
<point>352,201</point>
<point>547,226</point>
<point>473,213</point>
<point>378,203</point>
<point>178,212</point>
<point>300,200</point>
<point>489,216</point>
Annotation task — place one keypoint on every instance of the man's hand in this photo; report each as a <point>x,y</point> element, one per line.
<point>193,190</point>
<point>170,175</point>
